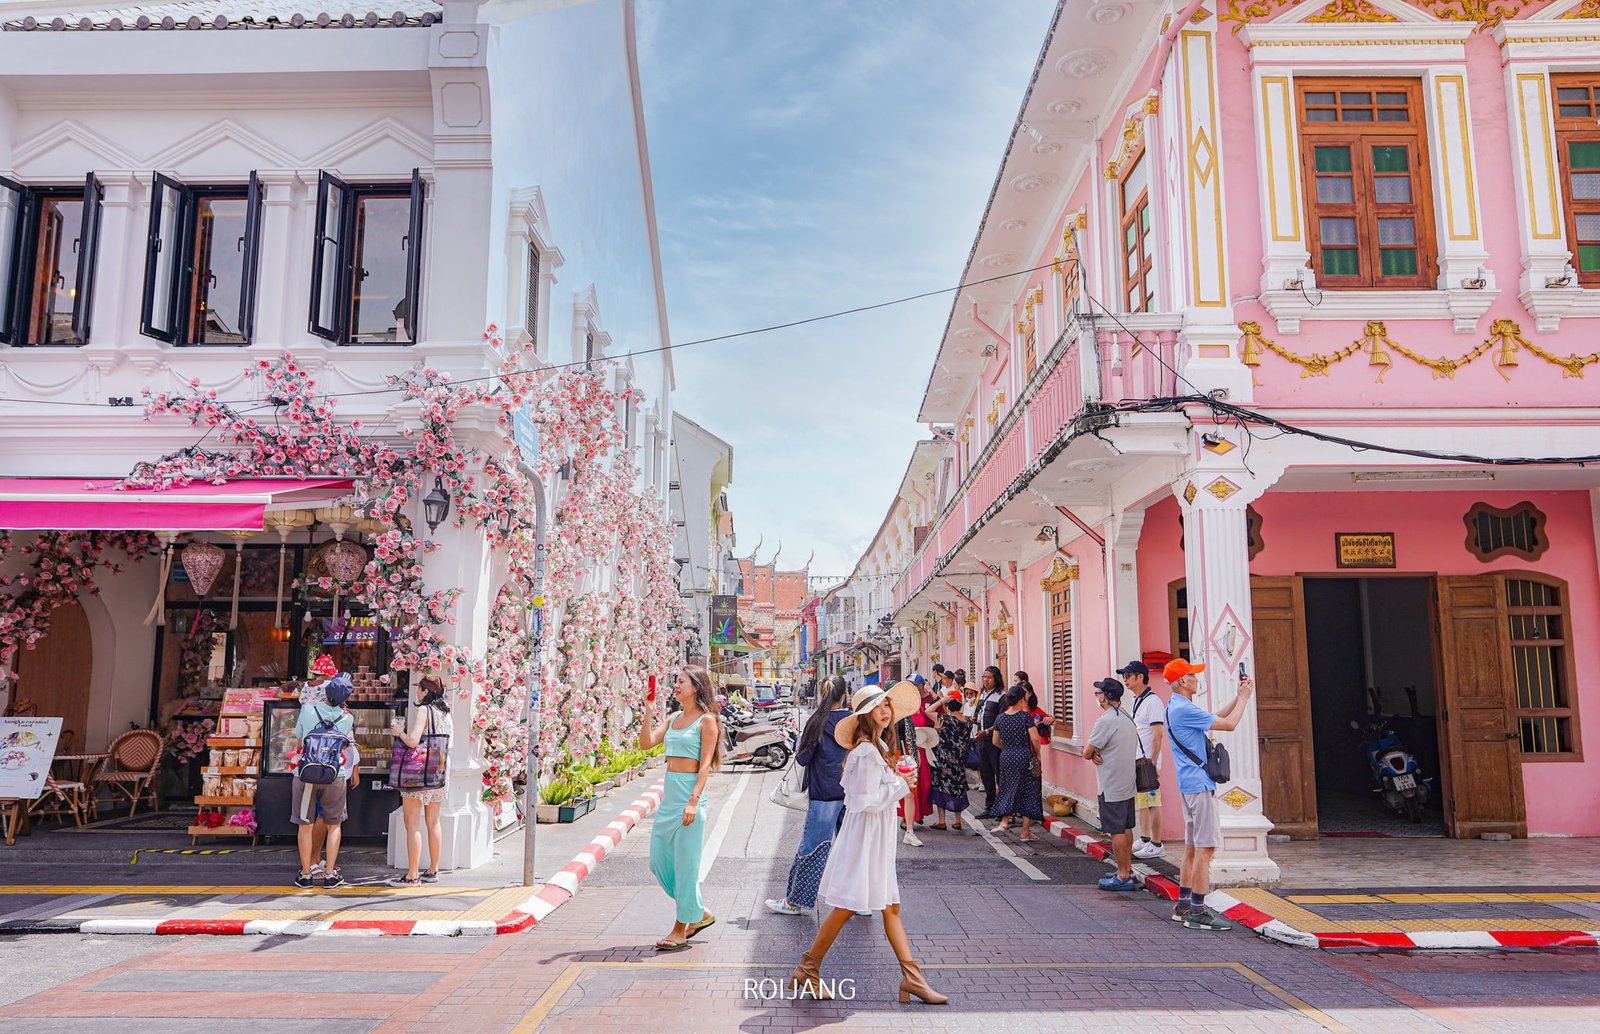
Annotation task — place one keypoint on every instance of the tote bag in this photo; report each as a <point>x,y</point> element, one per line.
<point>790,793</point>
<point>423,767</point>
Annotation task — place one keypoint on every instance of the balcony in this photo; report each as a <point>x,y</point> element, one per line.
<point>1096,360</point>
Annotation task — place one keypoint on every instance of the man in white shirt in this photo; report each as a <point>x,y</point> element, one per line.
<point>1150,717</point>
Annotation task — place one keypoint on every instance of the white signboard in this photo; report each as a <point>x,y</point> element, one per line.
<point>26,747</point>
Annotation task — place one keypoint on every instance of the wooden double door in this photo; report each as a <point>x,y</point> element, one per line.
<point>1480,750</point>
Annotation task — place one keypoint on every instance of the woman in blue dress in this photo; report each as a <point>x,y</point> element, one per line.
<point>693,741</point>
<point>823,760</point>
<point>1020,787</point>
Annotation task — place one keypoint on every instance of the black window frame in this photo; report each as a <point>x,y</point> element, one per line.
<point>339,232</point>
<point>16,309</point>
<point>179,272</point>
<point>530,315</point>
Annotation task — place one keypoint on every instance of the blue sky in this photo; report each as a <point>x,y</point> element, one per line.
<point>811,156</point>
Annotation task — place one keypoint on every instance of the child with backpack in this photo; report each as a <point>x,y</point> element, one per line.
<point>327,758</point>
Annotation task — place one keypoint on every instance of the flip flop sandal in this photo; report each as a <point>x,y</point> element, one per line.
<point>697,927</point>
<point>940,825</point>
<point>1030,838</point>
<point>667,947</point>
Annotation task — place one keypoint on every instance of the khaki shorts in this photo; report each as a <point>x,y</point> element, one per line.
<point>1201,825</point>
<point>306,797</point>
<point>1147,800</point>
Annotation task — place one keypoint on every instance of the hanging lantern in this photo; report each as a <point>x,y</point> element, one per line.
<point>436,505</point>
<point>239,538</point>
<point>284,522</point>
<point>202,562</point>
<point>345,562</point>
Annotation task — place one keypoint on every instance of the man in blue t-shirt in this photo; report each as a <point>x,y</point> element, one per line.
<point>1187,725</point>
<point>330,797</point>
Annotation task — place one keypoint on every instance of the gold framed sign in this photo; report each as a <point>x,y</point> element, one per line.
<point>1363,549</point>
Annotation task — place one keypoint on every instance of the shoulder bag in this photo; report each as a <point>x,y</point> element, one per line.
<point>1146,777</point>
<point>423,767</point>
<point>1218,766</point>
<point>791,792</point>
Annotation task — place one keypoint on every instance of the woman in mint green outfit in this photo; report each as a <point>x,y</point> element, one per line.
<point>693,741</point>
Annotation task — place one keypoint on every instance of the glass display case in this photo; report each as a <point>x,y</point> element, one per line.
<point>370,802</point>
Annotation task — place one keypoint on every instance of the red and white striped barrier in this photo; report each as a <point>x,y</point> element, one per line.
<point>560,888</point>
<point>1253,918</point>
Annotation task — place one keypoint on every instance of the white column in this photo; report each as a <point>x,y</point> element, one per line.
<point>1122,576</point>
<point>1217,568</point>
<point>467,825</point>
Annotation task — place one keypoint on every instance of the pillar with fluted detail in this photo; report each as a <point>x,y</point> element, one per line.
<point>1216,548</point>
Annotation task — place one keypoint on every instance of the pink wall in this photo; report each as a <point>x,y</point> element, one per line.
<point>1352,383</point>
<point>1298,528</point>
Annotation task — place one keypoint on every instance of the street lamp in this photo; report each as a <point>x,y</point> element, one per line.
<point>436,505</point>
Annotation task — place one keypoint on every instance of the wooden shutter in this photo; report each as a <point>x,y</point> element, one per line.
<point>1283,706</point>
<point>1061,684</point>
<point>1477,695</point>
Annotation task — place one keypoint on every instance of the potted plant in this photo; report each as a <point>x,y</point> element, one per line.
<point>556,796</point>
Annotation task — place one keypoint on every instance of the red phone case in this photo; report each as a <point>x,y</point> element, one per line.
<point>652,695</point>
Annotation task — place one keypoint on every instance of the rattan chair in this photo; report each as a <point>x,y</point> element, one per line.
<point>130,769</point>
<point>63,799</point>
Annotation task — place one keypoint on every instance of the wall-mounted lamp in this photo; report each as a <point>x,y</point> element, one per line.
<point>1478,282</point>
<point>1215,443</point>
<point>436,505</point>
<point>1048,534</point>
<point>1568,275</point>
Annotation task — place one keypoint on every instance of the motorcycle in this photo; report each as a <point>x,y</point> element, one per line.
<point>1395,772</point>
<point>748,739</point>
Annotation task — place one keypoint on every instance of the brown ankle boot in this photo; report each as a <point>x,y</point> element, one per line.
<point>806,981</point>
<point>807,977</point>
<point>912,983</point>
<point>911,979</point>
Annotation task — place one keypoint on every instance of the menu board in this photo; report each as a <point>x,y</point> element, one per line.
<point>26,747</point>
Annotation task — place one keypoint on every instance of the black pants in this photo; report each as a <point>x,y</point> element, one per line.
<point>988,767</point>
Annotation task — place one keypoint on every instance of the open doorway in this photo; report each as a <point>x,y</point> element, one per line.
<point>1370,651</point>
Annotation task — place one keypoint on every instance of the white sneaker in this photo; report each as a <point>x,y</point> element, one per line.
<point>1147,849</point>
<point>911,839</point>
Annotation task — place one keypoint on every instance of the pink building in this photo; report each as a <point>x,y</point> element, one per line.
<point>1297,275</point>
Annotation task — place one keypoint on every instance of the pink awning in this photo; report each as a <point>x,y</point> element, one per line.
<point>81,504</point>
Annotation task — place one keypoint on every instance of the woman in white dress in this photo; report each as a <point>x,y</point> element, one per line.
<point>860,876</point>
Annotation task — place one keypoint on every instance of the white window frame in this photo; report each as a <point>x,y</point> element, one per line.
<point>1415,46</point>
<point>1531,50</point>
<point>527,231</point>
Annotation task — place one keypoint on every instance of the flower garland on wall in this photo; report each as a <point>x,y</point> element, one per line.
<point>194,660</point>
<point>61,566</point>
<point>602,526</point>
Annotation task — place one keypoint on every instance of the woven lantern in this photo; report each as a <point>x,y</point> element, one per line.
<point>345,562</point>
<point>202,562</point>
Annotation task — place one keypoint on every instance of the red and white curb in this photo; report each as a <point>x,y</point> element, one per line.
<point>557,891</point>
<point>560,888</point>
<point>1254,919</point>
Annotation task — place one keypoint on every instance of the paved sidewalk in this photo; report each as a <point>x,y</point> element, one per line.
<point>1497,916</point>
<point>158,893</point>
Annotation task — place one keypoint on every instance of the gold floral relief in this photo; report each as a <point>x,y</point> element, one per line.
<point>1587,9</point>
<point>1352,11</point>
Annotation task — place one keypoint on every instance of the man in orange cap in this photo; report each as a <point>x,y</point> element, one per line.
<point>1187,725</point>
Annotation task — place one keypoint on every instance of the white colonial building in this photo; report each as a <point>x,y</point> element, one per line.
<point>186,188</point>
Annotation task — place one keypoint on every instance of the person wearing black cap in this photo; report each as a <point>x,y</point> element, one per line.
<point>1150,718</point>
<point>1113,746</point>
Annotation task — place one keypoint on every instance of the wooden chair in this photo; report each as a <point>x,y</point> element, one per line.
<point>63,798</point>
<point>14,818</point>
<point>130,769</point>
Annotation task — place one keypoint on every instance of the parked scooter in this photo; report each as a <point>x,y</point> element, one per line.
<point>759,741</point>
<point>1395,772</point>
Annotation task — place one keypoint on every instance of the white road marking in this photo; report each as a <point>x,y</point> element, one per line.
<point>721,832</point>
<point>1004,850</point>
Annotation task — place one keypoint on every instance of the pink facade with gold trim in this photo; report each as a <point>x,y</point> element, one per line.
<point>1304,277</point>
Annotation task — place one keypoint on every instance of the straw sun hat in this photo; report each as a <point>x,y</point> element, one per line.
<point>904,700</point>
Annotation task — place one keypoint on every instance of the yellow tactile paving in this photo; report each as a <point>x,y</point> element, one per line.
<point>1289,910</point>
<point>494,906</point>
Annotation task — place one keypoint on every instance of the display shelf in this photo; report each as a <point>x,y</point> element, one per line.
<point>227,790</point>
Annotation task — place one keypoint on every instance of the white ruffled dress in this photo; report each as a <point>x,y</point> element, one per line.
<point>860,871</point>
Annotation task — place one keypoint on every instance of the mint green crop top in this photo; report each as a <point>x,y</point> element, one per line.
<point>683,743</point>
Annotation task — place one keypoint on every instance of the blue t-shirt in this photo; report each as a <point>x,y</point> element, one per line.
<point>1187,723</point>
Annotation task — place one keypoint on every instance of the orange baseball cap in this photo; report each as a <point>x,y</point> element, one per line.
<point>1177,668</point>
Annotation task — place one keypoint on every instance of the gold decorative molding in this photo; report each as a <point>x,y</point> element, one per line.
<point>1060,575</point>
<point>1487,13</point>
<point>1587,9</point>
<point>1222,488</point>
<point>970,618</point>
<point>1504,335</point>
<point>1346,11</point>
<point>1003,628</point>
<point>1132,133</point>
<point>1189,492</point>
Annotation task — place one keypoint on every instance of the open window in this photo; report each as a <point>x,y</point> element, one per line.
<point>366,267</point>
<point>48,241</point>
<point>1138,252</point>
<point>1578,156</point>
<point>202,260</point>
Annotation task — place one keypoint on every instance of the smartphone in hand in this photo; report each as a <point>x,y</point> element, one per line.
<point>652,697</point>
